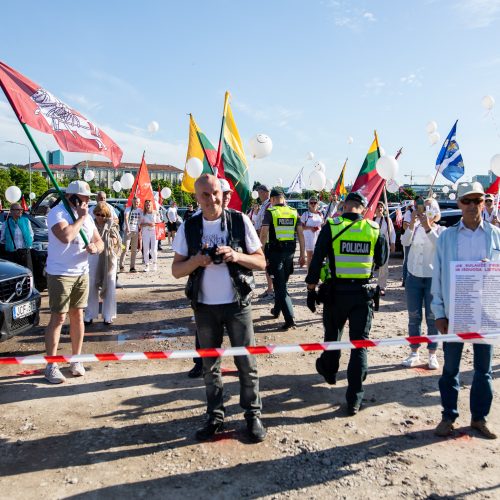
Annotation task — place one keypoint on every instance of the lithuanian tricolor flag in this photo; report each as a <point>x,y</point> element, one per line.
<point>197,143</point>
<point>231,160</point>
<point>339,188</point>
<point>368,182</point>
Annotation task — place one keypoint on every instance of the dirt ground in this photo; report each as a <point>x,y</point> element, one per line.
<point>126,429</point>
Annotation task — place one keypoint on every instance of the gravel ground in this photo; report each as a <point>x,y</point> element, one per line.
<point>126,429</point>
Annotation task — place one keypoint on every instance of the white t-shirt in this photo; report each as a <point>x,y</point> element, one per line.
<point>67,259</point>
<point>150,218</point>
<point>216,286</point>
<point>134,217</point>
<point>172,214</point>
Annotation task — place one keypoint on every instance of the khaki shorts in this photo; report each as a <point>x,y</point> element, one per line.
<point>67,292</point>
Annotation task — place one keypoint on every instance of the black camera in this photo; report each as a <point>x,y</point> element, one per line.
<point>212,253</point>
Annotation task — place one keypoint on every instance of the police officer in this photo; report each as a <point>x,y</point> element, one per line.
<point>279,226</point>
<point>353,245</point>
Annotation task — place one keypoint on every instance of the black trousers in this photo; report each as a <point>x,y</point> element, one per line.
<point>358,309</point>
<point>280,268</point>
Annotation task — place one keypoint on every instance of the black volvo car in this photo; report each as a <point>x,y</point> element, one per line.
<point>19,300</point>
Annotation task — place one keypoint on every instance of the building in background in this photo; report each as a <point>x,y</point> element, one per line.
<point>55,157</point>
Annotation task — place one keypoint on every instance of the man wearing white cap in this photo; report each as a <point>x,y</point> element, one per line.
<point>489,211</point>
<point>67,273</point>
<point>472,239</point>
<point>226,192</point>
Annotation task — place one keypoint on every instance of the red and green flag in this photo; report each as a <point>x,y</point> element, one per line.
<point>339,188</point>
<point>368,182</point>
<point>231,161</point>
<point>198,147</point>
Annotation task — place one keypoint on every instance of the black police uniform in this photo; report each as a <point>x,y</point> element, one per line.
<point>346,299</point>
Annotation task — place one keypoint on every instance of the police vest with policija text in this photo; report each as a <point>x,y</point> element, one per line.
<point>354,249</point>
<point>241,277</point>
<point>284,222</point>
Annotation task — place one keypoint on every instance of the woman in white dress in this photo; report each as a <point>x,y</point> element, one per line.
<point>102,267</point>
<point>311,221</point>
<point>148,222</point>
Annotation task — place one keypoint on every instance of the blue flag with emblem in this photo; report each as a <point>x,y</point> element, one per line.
<point>449,161</point>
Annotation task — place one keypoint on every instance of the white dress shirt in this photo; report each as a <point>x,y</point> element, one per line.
<point>471,244</point>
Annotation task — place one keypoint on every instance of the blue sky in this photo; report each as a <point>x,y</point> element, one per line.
<point>307,73</point>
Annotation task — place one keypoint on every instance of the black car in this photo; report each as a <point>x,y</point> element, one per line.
<point>39,249</point>
<point>19,300</point>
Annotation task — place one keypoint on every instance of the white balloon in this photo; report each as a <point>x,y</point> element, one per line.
<point>279,181</point>
<point>13,194</point>
<point>32,196</point>
<point>452,196</point>
<point>320,166</point>
<point>255,195</point>
<point>260,146</point>
<point>153,127</point>
<point>432,127</point>
<point>495,164</point>
<point>166,192</point>
<point>127,181</point>
<point>434,195</point>
<point>117,186</point>
<point>317,180</point>
<point>434,138</point>
<point>350,140</point>
<point>445,189</point>
<point>387,167</point>
<point>488,102</point>
<point>392,186</point>
<point>88,175</point>
<point>329,184</point>
<point>310,156</point>
<point>194,167</point>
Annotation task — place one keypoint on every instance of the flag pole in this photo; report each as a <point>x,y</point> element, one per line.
<point>44,163</point>
<point>52,178</point>
<point>221,135</point>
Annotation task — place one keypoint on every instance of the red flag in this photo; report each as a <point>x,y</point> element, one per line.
<point>24,205</point>
<point>142,189</point>
<point>38,108</point>
<point>493,189</point>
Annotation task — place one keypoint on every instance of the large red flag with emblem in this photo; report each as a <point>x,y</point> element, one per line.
<point>141,189</point>
<point>38,108</point>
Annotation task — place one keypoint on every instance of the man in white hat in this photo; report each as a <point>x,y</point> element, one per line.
<point>226,192</point>
<point>472,239</point>
<point>489,212</point>
<point>67,273</point>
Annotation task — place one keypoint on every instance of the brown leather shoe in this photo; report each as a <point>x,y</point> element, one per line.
<point>482,428</point>
<point>444,429</point>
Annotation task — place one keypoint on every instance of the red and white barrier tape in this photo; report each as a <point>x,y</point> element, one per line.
<point>489,338</point>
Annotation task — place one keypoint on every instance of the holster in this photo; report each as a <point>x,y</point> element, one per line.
<point>372,292</point>
<point>324,292</point>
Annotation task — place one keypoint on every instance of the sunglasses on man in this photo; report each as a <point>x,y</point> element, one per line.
<point>468,201</point>
<point>313,203</point>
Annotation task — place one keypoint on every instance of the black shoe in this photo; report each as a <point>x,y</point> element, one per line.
<point>196,371</point>
<point>256,430</point>
<point>108,323</point>
<point>133,270</point>
<point>329,378</point>
<point>274,314</point>
<point>288,326</point>
<point>209,430</point>
<point>87,323</point>
<point>353,409</point>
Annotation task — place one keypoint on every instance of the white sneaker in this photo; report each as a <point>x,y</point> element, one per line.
<point>77,369</point>
<point>412,360</point>
<point>433,362</point>
<point>53,374</point>
<point>146,269</point>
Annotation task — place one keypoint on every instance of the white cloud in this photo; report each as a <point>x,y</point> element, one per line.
<point>412,79</point>
<point>81,102</point>
<point>478,13</point>
<point>375,85</point>
<point>369,16</point>
<point>345,16</point>
<point>279,116</point>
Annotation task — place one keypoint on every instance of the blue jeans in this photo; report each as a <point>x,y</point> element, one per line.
<point>210,322</point>
<point>406,251</point>
<point>481,394</point>
<point>418,295</point>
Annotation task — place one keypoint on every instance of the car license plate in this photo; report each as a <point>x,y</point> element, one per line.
<point>23,310</point>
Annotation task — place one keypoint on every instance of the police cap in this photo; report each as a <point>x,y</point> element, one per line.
<point>277,191</point>
<point>357,197</point>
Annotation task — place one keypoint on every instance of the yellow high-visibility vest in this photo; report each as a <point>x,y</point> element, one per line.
<point>284,222</point>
